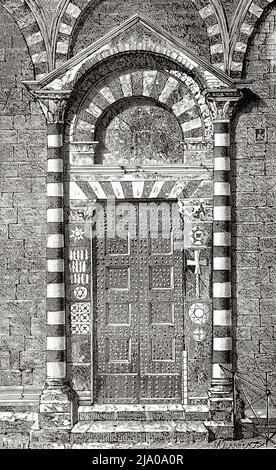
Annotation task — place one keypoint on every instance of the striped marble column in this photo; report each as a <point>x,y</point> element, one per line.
<point>57,399</point>
<point>53,106</point>
<point>222,103</point>
<point>222,313</point>
<point>56,335</point>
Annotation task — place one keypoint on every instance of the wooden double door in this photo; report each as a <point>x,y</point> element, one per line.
<point>138,333</point>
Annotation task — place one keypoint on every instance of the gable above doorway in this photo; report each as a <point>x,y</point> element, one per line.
<point>135,34</point>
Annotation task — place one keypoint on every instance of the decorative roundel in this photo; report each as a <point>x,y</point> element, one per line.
<point>77,234</point>
<point>199,313</point>
<point>199,334</point>
<point>198,236</point>
<point>80,292</point>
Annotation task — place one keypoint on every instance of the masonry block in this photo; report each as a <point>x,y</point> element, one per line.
<point>4,359</point>
<point>25,231</point>
<point>31,215</point>
<point>8,170</point>
<point>10,377</point>
<point>15,185</point>
<point>247,306</point>
<point>39,184</point>
<point>252,229</point>
<point>43,439</point>
<point>247,259</point>
<point>246,346</point>
<point>31,359</point>
<point>246,244</point>
<point>8,215</point>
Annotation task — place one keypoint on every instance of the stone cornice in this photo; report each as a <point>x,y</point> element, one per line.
<point>223,94</point>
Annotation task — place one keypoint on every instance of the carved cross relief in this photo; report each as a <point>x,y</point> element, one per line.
<point>197,263</point>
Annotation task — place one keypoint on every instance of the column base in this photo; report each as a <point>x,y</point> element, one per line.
<point>220,402</point>
<point>57,407</point>
<point>221,388</point>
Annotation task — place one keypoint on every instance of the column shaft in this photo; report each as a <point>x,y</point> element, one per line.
<point>56,334</point>
<point>222,314</point>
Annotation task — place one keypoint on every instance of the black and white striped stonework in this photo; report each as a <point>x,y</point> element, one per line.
<point>222,315</point>
<point>56,337</point>
<point>254,11</point>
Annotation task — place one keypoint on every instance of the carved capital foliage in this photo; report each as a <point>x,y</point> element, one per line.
<point>53,110</point>
<point>53,106</point>
<point>221,109</point>
<point>81,214</point>
<point>222,103</point>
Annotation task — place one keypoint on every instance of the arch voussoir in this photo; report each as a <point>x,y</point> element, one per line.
<point>29,28</point>
<point>254,12</point>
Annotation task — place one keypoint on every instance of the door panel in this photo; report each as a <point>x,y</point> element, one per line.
<point>117,320</point>
<point>139,314</point>
<point>162,321</point>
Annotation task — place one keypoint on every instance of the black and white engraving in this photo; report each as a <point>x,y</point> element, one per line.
<point>138,224</point>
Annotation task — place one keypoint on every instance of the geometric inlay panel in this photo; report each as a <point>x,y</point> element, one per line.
<point>118,350</point>
<point>80,292</point>
<point>80,318</point>
<point>119,314</point>
<point>161,277</point>
<point>161,312</point>
<point>199,334</point>
<point>199,313</point>
<point>118,278</point>
<point>163,349</point>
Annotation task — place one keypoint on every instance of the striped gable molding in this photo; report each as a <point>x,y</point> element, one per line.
<point>26,21</point>
<point>246,28</point>
<point>67,22</point>
<point>86,65</point>
<point>207,12</point>
<point>74,9</point>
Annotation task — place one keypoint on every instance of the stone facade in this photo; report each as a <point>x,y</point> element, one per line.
<point>253,178</point>
<point>23,217</point>
<point>107,61</point>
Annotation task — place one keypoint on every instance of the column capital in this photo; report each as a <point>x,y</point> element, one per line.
<point>53,105</point>
<point>222,103</point>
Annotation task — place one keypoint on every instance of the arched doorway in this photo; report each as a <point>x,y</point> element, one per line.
<point>131,138</point>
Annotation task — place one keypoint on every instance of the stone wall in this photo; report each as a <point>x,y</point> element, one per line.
<point>254,178</point>
<point>22,216</point>
<point>177,17</point>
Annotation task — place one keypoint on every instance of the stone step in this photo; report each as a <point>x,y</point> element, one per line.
<point>143,412</point>
<point>260,415</point>
<point>11,421</point>
<point>131,432</point>
<point>254,424</point>
<point>220,430</point>
<point>198,401</point>
<point>251,429</point>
